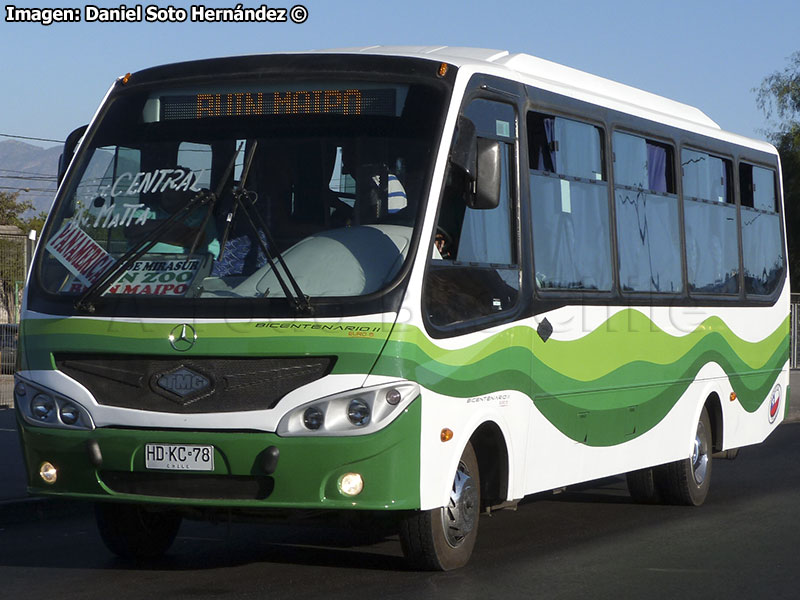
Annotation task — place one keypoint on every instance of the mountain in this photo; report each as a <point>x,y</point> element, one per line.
<point>25,166</point>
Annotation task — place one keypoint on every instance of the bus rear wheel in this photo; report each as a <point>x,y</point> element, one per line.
<point>687,481</point>
<point>442,539</point>
<point>133,532</point>
<point>642,486</point>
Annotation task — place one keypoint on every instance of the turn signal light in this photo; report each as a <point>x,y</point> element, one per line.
<point>446,435</point>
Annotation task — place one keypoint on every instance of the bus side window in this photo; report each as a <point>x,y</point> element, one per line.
<point>647,213</point>
<point>569,199</point>
<point>761,230</point>
<point>474,271</point>
<point>710,216</point>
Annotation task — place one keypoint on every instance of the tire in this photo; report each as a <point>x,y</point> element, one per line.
<point>642,486</point>
<point>442,539</point>
<point>687,481</point>
<point>133,532</point>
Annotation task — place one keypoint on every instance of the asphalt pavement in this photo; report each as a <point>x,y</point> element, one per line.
<point>16,505</point>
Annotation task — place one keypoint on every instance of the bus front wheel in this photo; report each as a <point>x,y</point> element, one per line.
<point>133,532</point>
<point>687,481</point>
<point>442,539</point>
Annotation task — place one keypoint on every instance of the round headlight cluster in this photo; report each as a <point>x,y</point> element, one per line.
<point>46,409</point>
<point>353,412</point>
<point>358,412</point>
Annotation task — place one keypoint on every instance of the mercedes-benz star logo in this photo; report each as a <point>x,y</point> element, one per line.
<point>182,337</point>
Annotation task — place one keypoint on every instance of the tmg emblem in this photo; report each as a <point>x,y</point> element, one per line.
<point>182,337</point>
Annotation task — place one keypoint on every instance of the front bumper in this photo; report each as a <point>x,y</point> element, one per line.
<point>307,474</point>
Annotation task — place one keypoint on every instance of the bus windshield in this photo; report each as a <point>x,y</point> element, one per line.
<point>258,190</point>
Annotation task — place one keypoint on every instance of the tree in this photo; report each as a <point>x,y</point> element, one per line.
<point>12,249</point>
<point>12,208</point>
<point>779,97</point>
<point>12,253</point>
<point>13,212</point>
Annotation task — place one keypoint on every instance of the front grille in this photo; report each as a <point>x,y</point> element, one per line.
<point>190,486</point>
<point>192,386</point>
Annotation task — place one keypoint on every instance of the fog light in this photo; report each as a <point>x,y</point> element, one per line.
<point>42,407</point>
<point>358,412</point>
<point>313,418</point>
<point>351,484</point>
<point>48,472</point>
<point>69,414</point>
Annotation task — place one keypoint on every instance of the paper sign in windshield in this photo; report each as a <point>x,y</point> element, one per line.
<point>167,277</point>
<point>152,277</point>
<point>79,253</point>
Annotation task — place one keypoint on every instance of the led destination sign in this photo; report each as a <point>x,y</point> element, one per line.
<point>379,102</point>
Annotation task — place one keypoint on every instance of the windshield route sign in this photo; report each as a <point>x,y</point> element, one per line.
<point>79,253</point>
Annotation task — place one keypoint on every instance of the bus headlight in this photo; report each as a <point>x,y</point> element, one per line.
<point>313,418</point>
<point>43,408</point>
<point>47,408</point>
<point>69,414</point>
<point>356,412</point>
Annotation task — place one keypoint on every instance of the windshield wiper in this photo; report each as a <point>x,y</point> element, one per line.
<point>242,198</point>
<point>87,300</point>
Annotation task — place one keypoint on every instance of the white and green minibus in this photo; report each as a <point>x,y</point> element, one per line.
<point>415,283</point>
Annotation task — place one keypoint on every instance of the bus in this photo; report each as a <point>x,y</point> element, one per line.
<point>405,285</point>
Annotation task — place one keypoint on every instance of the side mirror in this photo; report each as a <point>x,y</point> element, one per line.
<point>69,150</point>
<point>479,161</point>
<point>487,179</point>
<point>464,150</point>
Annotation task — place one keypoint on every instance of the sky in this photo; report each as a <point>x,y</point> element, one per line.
<point>706,53</point>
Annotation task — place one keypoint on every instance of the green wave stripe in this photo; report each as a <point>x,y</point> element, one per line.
<point>607,387</point>
<point>628,333</point>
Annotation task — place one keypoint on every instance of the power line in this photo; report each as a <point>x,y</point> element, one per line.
<point>20,177</point>
<point>24,172</point>
<point>27,189</point>
<point>25,137</point>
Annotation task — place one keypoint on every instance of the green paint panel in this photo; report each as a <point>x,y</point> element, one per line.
<point>355,344</point>
<point>306,477</point>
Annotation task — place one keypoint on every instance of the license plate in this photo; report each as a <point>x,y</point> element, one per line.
<point>179,457</point>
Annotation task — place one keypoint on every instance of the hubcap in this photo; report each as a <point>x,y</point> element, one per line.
<point>458,517</point>
<point>700,455</point>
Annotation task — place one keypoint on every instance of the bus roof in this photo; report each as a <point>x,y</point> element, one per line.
<point>559,78</point>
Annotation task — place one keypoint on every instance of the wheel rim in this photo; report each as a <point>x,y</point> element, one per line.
<point>700,455</point>
<point>458,517</point>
